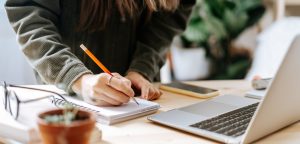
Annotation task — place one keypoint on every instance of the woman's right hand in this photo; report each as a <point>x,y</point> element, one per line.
<point>103,89</point>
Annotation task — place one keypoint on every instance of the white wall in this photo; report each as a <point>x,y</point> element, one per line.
<point>13,65</point>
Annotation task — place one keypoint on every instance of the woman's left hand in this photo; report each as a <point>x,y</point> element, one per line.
<point>148,91</point>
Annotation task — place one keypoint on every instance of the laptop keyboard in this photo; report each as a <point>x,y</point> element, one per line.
<point>233,123</point>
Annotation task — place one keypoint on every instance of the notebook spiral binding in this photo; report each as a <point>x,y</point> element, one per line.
<point>60,102</point>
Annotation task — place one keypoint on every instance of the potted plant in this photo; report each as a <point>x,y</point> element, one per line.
<point>68,125</point>
<point>213,27</point>
<point>192,59</point>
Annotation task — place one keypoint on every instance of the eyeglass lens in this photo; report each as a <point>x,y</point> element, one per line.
<point>9,100</point>
<point>3,95</point>
<point>13,104</point>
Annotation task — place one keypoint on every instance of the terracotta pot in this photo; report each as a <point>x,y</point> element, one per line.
<point>78,132</point>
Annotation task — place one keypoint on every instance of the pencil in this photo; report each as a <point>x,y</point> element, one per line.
<point>92,56</point>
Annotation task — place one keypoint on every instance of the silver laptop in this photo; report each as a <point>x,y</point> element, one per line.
<point>233,119</point>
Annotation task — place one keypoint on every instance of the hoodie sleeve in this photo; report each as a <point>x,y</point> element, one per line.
<point>35,23</point>
<point>156,36</point>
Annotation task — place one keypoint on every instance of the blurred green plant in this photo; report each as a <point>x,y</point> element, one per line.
<point>214,24</point>
<point>67,117</point>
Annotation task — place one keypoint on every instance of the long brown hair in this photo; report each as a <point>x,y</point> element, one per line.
<point>94,13</point>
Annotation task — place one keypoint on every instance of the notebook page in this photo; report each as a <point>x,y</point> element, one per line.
<point>113,112</point>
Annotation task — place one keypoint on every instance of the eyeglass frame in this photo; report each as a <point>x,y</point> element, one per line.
<point>7,104</point>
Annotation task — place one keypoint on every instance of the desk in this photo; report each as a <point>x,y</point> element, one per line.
<point>142,131</point>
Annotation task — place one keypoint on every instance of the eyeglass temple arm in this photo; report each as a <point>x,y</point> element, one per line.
<point>37,90</point>
<point>37,99</point>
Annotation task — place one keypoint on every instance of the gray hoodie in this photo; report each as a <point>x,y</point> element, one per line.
<point>46,32</point>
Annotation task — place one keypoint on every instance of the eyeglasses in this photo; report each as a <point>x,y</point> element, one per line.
<point>12,102</point>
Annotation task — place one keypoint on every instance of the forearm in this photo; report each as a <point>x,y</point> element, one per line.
<point>37,32</point>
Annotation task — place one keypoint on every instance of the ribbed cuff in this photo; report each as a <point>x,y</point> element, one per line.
<point>145,71</point>
<point>71,74</point>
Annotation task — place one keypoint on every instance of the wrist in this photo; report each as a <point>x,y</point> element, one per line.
<point>136,74</point>
<point>136,78</point>
<point>77,85</point>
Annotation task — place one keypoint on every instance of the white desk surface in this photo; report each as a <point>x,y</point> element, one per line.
<point>142,131</point>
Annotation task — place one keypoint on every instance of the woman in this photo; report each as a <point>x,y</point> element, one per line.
<point>129,37</point>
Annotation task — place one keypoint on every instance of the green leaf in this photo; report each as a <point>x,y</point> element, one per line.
<point>249,4</point>
<point>215,23</point>
<point>235,22</point>
<point>67,117</point>
<point>196,33</point>
<point>54,119</point>
<point>238,69</point>
<point>216,7</point>
<point>215,27</point>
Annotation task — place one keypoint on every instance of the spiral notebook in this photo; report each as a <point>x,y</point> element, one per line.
<point>114,114</point>
<point>105,115</point>
<point>24,129</point>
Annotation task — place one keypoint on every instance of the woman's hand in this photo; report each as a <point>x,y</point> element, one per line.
<point>148,91</point>
<point>103,89</point>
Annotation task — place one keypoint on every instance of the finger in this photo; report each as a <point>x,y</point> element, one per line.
<point>160,92</point>
<point>92,101</point>
<point>256,77</point>
<point>98,95</point>
<point>157,94</point>
<point>103,103</point>
<point>145,92</point>
<point>103,97</point>
<point>97,102</point>
<point>151,93</point>
<point>114,94</point>
<point>123,85</point>
<point>116,75</point>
